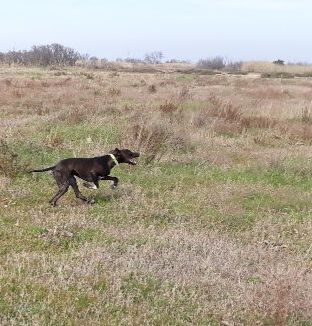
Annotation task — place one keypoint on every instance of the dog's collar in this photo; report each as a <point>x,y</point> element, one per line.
<point>114,159</point>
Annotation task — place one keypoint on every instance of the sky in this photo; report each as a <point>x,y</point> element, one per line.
<point>181,29</point>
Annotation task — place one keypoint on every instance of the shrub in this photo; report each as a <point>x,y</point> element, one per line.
<point>152,138</point>
<point>279,62</point>
<point>178,61</point>
<point>114,91</point>
<point>233,66</point>
<point>131,60</point>
<point>10,163</point>
<point>224,110</point>
<point>152,88</point>
<point>216,63</point>
<point>168,108</point>
<point>306,116</point>
<point>43,55</point>
<point>74,116</point>
<point>277,75</point>
<point>153,57</point>
<point>201,119</point>
<point>258,122</point>
<point>184,94</point>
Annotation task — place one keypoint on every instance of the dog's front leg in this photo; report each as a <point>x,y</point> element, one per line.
<point>95,181</point>
<point>114,179</point>
<point>94,184</point>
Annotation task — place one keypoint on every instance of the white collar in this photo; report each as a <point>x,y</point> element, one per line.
<point>114,159</point>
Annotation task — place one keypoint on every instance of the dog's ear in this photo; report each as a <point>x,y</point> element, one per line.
<point>116,151</point>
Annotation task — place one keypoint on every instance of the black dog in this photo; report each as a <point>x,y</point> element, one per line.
<point>89,169</point>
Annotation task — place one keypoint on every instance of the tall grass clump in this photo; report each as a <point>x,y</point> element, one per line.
<point>11,165</point>
<point>151,139</point>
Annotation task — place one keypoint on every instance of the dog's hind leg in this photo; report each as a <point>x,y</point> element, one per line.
<point>62,190</point>
<point>62,184</point>
<point>72,181</point>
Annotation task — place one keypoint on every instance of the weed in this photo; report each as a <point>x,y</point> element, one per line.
<point>184,94</point>
<point>74,116</point>
<point>152,139</point>
<point>88,75</point>
<point>168,108</point>
<point>306,115</point>
<point>114,91</point>
<point>277,75</point>
<point>152,88</point>
<point>257,122</point>
<point>10,163</point>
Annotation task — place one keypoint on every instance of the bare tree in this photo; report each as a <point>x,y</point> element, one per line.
<point>212,63</point>
<point>43,55</point>
<point>153,57</point>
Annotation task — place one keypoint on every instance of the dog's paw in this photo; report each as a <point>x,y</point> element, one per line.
<point>91,201</point>
<point>113,186</point>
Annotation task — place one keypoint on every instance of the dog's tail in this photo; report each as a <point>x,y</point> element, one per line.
<point>43,170</point>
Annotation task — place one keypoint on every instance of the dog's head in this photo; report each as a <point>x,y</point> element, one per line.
<point>125,156</point>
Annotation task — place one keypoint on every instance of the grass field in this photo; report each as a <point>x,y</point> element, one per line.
<point>212,227</point>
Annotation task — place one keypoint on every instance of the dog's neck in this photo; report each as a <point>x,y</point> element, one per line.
<point>113,157</point>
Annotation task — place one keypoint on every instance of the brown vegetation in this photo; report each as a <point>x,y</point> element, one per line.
<point>213,226</point>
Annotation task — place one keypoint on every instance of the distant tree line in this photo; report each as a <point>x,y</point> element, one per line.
<point>154,57</point>
<point>59,55</point>
<point>56,55</point>
<point>42,55</point>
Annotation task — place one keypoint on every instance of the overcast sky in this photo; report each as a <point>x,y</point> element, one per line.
<point>184,29</point>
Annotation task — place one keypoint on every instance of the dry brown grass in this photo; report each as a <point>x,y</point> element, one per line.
<point>213,226</point>
<point>10,163</point>
<point>268,67</point>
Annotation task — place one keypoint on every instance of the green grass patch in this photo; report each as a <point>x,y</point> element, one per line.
<point>80,133</point>
<point>262,201</point>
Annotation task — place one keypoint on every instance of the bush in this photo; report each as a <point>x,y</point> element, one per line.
<point>217,63</point>
<point>152,88</point>
<point>168,108</point>
<point>42,55</point>
<point>132,60</point>
<point>178,61</point>
<point>151,139</point>
<point>279,62</point>
<point>153,57</point>
<point>10,164</point>
<point>277,75</point>
<point>234,66</point>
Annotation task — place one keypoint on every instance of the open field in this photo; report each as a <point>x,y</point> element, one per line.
<point>212,227</point>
